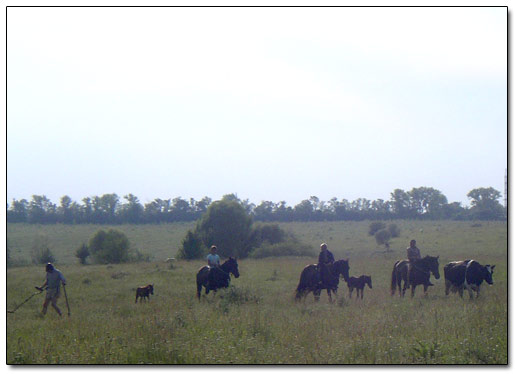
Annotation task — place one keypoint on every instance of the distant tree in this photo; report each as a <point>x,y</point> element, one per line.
<point>485,204</point>
<point>18,211</point>
<point>303,211</point>
<point>227,225</point>
<point>400,203</point>
<point>132,211</point>
<point>192,247</point>
<point>109,247</point>
<point>264,211</point>
<point>41,210</point>
<point>82,253</point>
<point>427,201</point>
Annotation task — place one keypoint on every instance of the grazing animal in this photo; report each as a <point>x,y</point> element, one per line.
<point>359,284</point>
<point>221,276</point>
<point>414,274</point>
<point>170,259</point>
<point>310,279</point>
<point>144,292</point>
<point>467,274</point>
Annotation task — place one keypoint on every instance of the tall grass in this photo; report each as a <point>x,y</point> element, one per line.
<point>257,321</point>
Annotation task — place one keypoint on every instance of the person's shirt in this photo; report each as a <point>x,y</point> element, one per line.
<point>413,253</point>
<point>325,257</point>
<point>213,260</point>
<point>54,279</point>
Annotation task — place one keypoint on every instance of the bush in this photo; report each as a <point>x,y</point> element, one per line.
<point>42,256</point>
<point>375,227</point>
<point>192,247</point>
<point>111,247</point>
<point>288,248</point>
<point>82,253</point>
<point>266,233</point>
<point>394,230</point>
<point>383,238</point>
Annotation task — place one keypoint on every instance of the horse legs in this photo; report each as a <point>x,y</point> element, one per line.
<point>316,293</point>
<point>404,288</point>
<point>350,292</point>
<point>425,289</point>
<point>362,292</point>
<point>447,287</point>
<point>329,295</point>
<point>413,290</point>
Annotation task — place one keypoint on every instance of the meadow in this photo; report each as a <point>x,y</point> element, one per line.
<point>256,320</point>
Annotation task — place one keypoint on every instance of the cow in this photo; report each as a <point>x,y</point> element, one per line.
<point>467,274</point>
<point>144,292</point>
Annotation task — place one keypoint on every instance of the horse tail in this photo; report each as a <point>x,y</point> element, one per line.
<point>394,279</point>
<point>199,288</point>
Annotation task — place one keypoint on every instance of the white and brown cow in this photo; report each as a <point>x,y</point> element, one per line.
<point>467,274</point>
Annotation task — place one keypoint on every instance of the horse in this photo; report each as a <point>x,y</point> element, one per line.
<point>359,284</point>
<point>314,278</point>
<point>414,274</point>
<point>219,278</point>
<point>144,292</point>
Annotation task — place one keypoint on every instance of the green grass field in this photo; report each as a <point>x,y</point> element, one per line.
<point>256,320</point>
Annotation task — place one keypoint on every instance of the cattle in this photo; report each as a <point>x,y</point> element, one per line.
<point>468,274</point>
<point>144,292</point>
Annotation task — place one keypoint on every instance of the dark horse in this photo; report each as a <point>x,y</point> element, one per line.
<point>311,280</point>
<point>220,277</point>
<point>359,284</point>
<point>414,274</point>
<point>144,292</point>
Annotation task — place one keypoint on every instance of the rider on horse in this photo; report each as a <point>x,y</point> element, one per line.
<point>213,261</point>
<point>324,258</point>
<point>414,254</point>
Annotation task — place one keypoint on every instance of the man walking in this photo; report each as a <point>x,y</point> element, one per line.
<point>53,281</point>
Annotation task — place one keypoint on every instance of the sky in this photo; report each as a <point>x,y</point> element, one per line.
<point>272,104</point>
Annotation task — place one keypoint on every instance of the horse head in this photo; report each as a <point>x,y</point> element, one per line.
<point>231,266</point>
<point>432,264</point>
<point>368,280</point>
<point>342,267</point>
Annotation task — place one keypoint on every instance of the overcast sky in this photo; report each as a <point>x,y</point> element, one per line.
<point>268,103</point>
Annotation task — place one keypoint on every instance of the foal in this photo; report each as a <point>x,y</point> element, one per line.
<point>144,292</point>
<point>359,284</point>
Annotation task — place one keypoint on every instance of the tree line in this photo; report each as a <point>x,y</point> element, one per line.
<point>418,203</point>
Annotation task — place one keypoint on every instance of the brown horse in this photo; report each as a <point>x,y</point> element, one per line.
<point>220,277</point>
<point>144,292</point>
<point>314,278</point>
<point>359,284</point>
<point>414,274</point>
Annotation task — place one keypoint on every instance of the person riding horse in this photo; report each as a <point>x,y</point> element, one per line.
<point>213,261</point>
<point>414,254</point>
<point>325,258</point>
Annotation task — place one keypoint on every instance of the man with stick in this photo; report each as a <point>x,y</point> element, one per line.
<point>52,283</point>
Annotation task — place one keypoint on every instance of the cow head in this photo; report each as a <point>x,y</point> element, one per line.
<point>488,271</point>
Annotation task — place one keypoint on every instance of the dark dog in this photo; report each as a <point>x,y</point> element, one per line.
<point>144,292</point>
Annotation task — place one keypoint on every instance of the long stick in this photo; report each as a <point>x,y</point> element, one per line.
<point>27,299</point>
<point>66,298</point>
